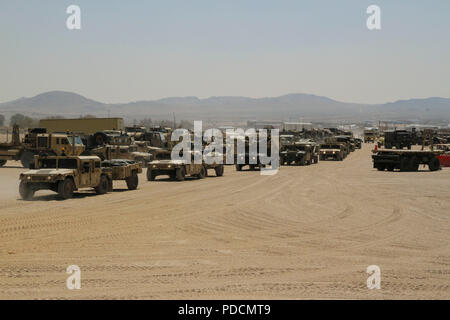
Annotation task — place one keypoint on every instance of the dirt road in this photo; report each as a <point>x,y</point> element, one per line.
<point>307,232</point>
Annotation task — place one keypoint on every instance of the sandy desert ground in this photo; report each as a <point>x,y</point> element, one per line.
<point>305,233</point>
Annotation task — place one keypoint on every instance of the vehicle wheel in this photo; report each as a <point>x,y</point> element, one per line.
<point>151,175</point>
<point>103,186</point>
<point>66,188</point>
<point>27,158</point>
<point>405,164</point>
<point>2,163</point>
<point>133,181</point>
<point>219,170</point>
<point>238,167</point>
<point>202,173</point>
<point>180,174</point>
<point>434,164</point>
<point>100,138</point>
<point>381,167</point>
<point>25,191</point>
<point>252,167</point>
<point>390,168</point>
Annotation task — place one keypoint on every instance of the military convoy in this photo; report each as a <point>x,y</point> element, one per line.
<point>68,162</point>
<point>67,174</point>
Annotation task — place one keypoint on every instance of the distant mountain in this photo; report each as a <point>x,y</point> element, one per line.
<point>286,107</point>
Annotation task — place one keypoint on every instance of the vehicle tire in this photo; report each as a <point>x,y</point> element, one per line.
<point>103,186</point>
<point>151,175</point>
<point>202,173</point>
<point>66,188</point>
<point>390,168</point>
<point>219,170</point>
<point>27,158</point>
<point>133,181</point>
<point>100,138</point>
<point>381,167</point>
<point>238,167</point>
<point>2,163</point>
<point>252,167</point>
<point>434,164</point>
<point>180,174</point>
<point>25,191</point>
<point>405,164</point>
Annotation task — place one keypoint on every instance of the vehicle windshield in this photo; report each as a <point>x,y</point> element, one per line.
<point>163,156</point>
<point>47,163</point>
<point>330,146</point>
<point>62,163</point>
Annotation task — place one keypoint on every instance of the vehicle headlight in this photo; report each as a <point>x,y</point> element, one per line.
<point>154,166</point>
<point>49,178</point>
<point>334,152</point>
<point>169,166</point>
<point>254,158</point>
<point>29,178</point>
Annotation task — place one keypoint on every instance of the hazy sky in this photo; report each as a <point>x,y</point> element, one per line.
<point>138,50</point>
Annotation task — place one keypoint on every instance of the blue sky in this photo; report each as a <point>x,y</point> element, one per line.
<point>136,50</point>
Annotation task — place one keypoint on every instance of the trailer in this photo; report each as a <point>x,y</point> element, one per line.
<point>86,126</point>
<point>405,160</point>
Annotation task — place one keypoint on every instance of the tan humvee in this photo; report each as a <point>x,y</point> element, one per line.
<point>66,174</point>
<point>175,169</point>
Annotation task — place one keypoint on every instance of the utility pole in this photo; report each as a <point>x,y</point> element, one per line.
<point>174,122</point>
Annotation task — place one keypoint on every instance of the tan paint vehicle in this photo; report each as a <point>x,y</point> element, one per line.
<point>178,169</point>
<point>35,143</point>
<point>130,153</point>
<point>67,174</point>
<point>332,151</point>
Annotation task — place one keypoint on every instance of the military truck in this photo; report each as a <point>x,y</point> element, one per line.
<point>398,139</point>
<point>38,141</point>
<point>370,135</point>
<point>405,160</point>
<point>131,153</point>
<point>332,151</point>
<point>175,169</point>
<point>300,153</point>
<point>67,174</point>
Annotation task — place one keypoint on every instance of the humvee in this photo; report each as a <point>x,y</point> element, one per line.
<point>66,174</point>
<point>177,169</point>
<point>301,153</point>
<point>130,153</point>
<point>333,151</point>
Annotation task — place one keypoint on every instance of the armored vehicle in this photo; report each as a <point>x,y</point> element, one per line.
<point>175,169</point>
<point>300,153</point>
<point>67,174</point>
<point>332,151</point>
<point>370,135</point>
<point>130,153</point>
<point>398,139</point>
<point>38,141</point>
